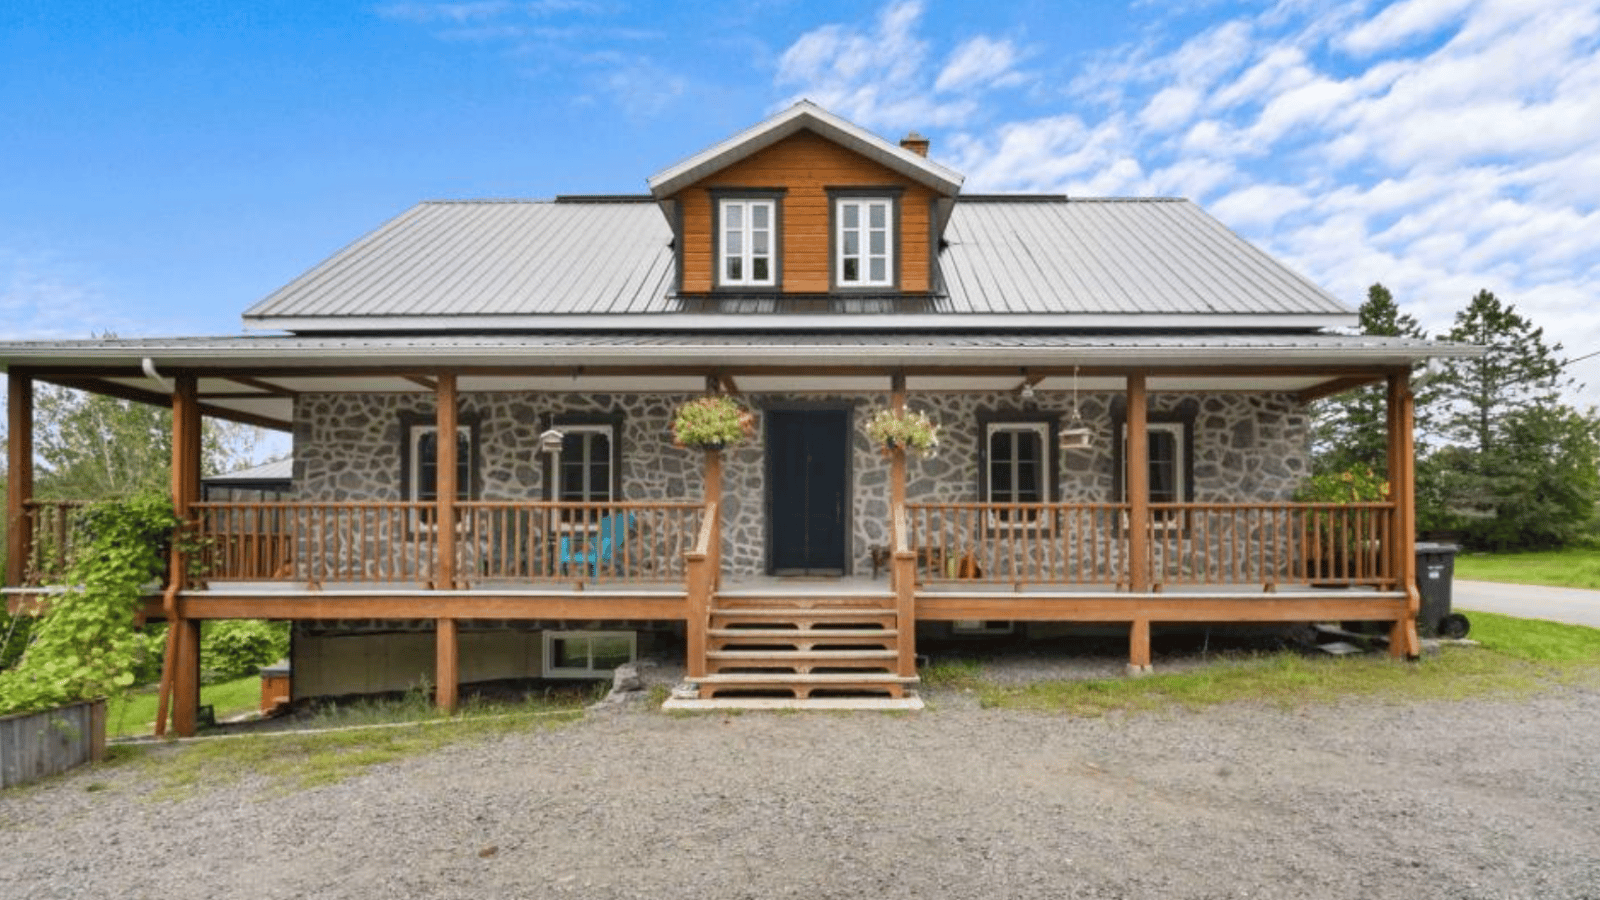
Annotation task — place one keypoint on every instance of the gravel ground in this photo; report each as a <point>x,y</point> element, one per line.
<point>1363,799</point>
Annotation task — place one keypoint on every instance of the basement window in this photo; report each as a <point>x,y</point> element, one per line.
<point>587,654</point>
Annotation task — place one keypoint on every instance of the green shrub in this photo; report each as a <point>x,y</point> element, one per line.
<point>85,646</point>
<point>235,647</point>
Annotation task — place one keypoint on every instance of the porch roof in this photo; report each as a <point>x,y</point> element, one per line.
<point>255,378</point>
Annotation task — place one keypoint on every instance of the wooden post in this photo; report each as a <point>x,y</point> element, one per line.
<point>184,680</point>
<point>897,457</point>
<point>1403,640</point>
<point>1139,647</point>
<point>1137,481</point>
<point>903,578</point>
<point>445,486</point>
<point>714,502</point>
<point>19,482</point>
<point>446,669</point>
<point>903,560</point>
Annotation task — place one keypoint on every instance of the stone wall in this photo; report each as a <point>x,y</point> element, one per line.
<point>348,447</point>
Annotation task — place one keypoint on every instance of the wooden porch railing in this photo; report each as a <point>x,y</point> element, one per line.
<point>540,541</point>
<point>315,542</point>
<point>396,541</point>
<point>1324,544</point>
<point>1019,543</point>
<point>702,563</point>
<point>1269,544</point>
<point>53,539</point>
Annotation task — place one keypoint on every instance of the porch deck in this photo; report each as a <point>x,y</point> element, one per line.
<point>802,637</point>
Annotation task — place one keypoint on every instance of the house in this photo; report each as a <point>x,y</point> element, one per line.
<point>1121,387</point>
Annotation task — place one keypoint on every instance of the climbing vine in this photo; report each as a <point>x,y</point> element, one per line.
<point>86,645</point>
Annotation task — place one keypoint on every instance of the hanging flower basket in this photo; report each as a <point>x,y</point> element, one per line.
<point>912,431</point>
<point>711,423</point>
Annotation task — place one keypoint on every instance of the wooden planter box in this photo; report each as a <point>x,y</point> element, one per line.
<point>38,745</point>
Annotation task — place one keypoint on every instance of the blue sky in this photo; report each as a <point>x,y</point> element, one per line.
<point>167,164</point>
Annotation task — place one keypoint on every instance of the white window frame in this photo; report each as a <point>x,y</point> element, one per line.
<point>414,438</point>
<point>1179,472</point>
<point>1046,489</point>
<point>552,637</point>
<point>864,256</point>
<point>610,432</point>
<point>747,233</point>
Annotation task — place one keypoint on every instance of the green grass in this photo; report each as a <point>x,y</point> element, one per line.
<point>1556,568</point>
<point>135,715</point>
<point>1517,657</point>
<point>336,744</point>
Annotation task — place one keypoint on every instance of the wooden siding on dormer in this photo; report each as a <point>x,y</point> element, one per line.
<point>805,165</point>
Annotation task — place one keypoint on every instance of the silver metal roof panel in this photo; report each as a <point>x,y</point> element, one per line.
<point>608,263</point>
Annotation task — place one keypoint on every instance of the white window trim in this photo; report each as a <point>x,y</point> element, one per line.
<point>865,257</point>
<point>1179,473</point>
<point>551,637</point>
<point>747,254</point>
<point>1046,488</point>
<point>415,440</point>
<point>604,428</point>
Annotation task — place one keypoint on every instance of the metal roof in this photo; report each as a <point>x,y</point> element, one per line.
<point>745,348</point>
<point>271,470</point>
<point>1127,257</point>
<point>488,259</point>
<point>1009,262</point>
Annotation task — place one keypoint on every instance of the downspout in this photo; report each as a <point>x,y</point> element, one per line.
<point>149,367</point>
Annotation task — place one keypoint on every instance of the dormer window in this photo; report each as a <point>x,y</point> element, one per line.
<point>747,241</point>
<point>864,240</point>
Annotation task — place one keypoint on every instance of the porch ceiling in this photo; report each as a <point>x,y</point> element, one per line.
<point>268,400</point>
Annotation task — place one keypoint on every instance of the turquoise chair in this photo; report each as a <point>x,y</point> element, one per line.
<point>599,551</point>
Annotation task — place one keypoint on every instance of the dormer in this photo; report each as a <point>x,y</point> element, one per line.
<point>806,203</point>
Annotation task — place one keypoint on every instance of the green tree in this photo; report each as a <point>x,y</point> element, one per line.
<point>1520,469</point>
<point>90,446</point>
<point>1350,430</point>
<point>1518,372</point>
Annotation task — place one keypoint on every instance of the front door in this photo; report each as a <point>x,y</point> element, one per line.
<point>807,452</point>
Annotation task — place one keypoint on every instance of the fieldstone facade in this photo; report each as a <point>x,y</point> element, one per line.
<point>1246,447</point>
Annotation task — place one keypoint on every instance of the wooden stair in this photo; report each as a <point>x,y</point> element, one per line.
<point>802,647</point>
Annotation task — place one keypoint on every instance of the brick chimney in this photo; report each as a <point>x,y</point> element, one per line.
<point>916,143</point>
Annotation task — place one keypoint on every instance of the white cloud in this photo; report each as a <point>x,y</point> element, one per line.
<point>1401,22</point>
<point>1260,205</point>
<point>1438,146</point>
<point>1170,108</point>
<point>43,298</point>
<point>980,62</point>
<point>880,78</point>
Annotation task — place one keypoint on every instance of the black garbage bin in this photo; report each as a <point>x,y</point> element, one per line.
<point>1436,566</point>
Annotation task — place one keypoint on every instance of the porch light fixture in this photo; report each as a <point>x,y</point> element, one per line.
<point>1077,435</point>
<point>1026,391</point>
<point>550,441</point>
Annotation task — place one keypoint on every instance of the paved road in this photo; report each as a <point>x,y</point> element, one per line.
<point>1572,605</point>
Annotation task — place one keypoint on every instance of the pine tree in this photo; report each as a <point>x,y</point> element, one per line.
<point>1518,373</point>
<point>1351,428</point>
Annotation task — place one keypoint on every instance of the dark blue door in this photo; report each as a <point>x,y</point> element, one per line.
<point>806,455</point>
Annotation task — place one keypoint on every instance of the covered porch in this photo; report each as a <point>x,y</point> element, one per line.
<point>450,560</point>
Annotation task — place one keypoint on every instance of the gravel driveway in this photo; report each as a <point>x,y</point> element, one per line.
<point>1365,799</point>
